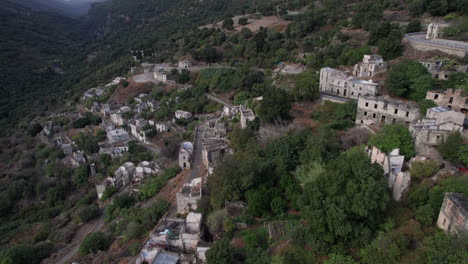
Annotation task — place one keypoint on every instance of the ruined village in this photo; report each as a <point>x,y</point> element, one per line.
<point>294,135</point>
<point>203,140</point>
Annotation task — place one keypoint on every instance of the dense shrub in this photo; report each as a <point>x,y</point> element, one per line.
<point>94,242</point>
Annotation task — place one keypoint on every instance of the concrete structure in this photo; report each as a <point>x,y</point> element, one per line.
<point>180,114</point>
<point>339,83</point>
<point>160,76</point>
<point>123,175</point>
<point>370,66</point>
<point>437,125</point>
<point>153,105</point>
<point>419,42</point>
<point>392,164</point>
<point>151,253</point>
<point>117,135</point>
<point>382,110</point>
<point>185,155</point>
<point>67,149</point>
<point>105,110</point>
<point>137,129</point>
<point>453,216</point>
<point>184,64</point>
<point>189,195</point>
<point>141,98</point>
<point>162,127</point>
<point>117,118</point>
<point>435,68</point>
<point>450,98</point>
<point>247,115</point>
<point>179,235</point>
<point>144,170</point>
<point>77,158</point>
<point>116,149</point>
<point>289,68</point>
<point>432,31</point>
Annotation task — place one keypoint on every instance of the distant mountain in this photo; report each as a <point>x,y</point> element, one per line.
<point>34,49</point>
<point>65,7</point>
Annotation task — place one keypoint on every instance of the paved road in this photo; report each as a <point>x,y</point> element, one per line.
<point>197,162</point>
<point>421,38</point>
<point>219,100</point>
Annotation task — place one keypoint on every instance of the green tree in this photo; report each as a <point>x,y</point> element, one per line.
<point>385,249</point>
<point>423,169</point>
<point>425,104</point>
<point>408,79</point>
<point>228,23</point>
<point>220,253</point>
<point>340,259</point>
<point>444,248</point>
<point>425,215</point>
<point>413,26</point>
<point>80,176</point>
<point>93,242</point>
<point>450,146</point>
<point>463,154</point>
<point>345,205</point>
<point>390,47</point>
<point>275,106</point>
<point>307,86</point>
<point>89,212</point>
<point>391,137</point>
<point>243,21</point>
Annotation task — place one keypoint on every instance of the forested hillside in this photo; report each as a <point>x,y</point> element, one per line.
<point>36,52</point>
<point>278,173</point>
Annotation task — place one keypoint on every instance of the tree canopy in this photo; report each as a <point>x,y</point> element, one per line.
<point>391,137</point>
<point>345,204</point>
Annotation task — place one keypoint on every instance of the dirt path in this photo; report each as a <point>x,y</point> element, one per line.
<point>64,255</point>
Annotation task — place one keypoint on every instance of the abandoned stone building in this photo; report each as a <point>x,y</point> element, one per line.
<point>289,68</point>
<point>339,83</point>
<point>145,169</point>
<point>450,98</point>
<point>247,115</point>
<point>370,66</point>
<point>117,117</point>
<point>382,110</point>
<point>453,216</point>
<point>437,125</point>
<point>117,135</point>
<point>180,114</point>
<point>160,76</point>
<point>189,195</point>
<point>179,235</point>
<point>105,110</point>
<point>185,155</point>
<point>434,67</point>
<point>162,127</point>
<point>184,64</point>
<point>123,175</point>
<point>137,129</point>
<point>392,164</point>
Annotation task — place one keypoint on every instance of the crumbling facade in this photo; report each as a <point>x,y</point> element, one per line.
<point>453,216</point>
<point>117,135</point>
<point>339,83</point>
<point>179,114</point>
<point>247,115</point>
<point>437,125</point>
<point>370,66</point>
<point>450,98</point>
<point>189,195</point>
<point>185,155</point>
<point>372,110</point>
<point>392,164</point>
